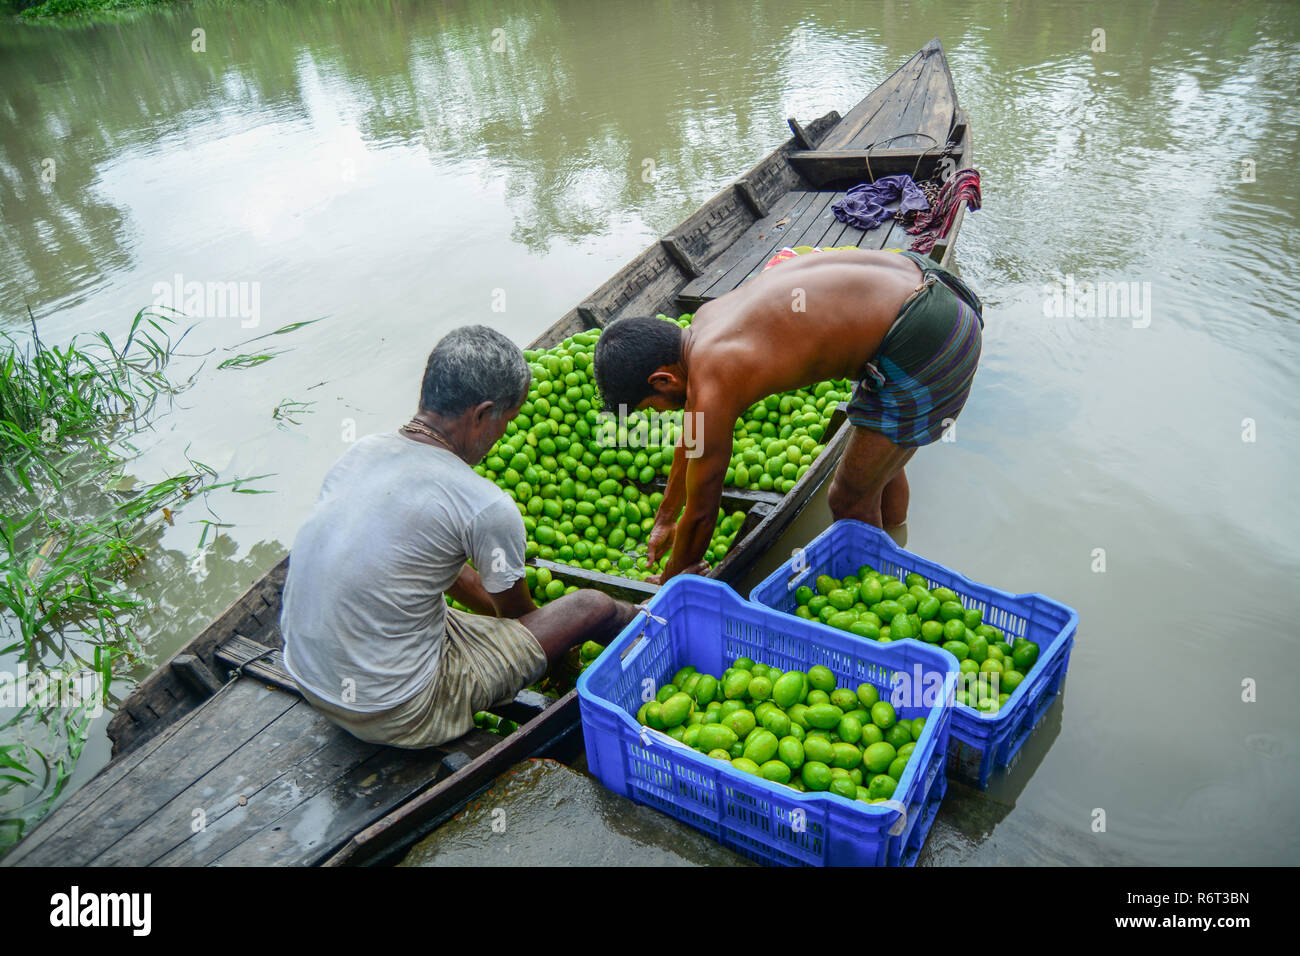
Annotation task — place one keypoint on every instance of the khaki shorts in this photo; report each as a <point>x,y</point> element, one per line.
<point>485,661</point>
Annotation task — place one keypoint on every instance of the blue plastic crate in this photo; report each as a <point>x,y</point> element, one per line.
<point>979,742</point>
<point>700,622</point>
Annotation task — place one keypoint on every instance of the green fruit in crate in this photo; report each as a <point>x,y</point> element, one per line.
<point>791,752</point>
<point>760,688</point>
<point>898,735</point>
<point>844,699</point>
<point>819,749</point>
<point>867,695</point>
<point>1024,655</point>
<point>824,716</point>
<point>680,677</point>
<point>799,715</point>
<point>1011,680</point>
<point>716,737</point>
<point>720,754</point>
<point>957,649</point>
<point>821,678</point>
<point>946,595</point>
<point>842,620</point>
<point>881,787</point>
<point>905,751</point>
<point>654,715</point>
<point>788,689</point>
<point>816,776</point>
<point>776,771</point>
<point>845,755</point>
<point>918,724</point>
<point>845,787</point>
<point>777,721</point>
<point>878,757</point>
<point>665,692</point>
<point>871,734</point>
<point>897,767</point>
<point>746,765</point>
<point>761,746</point>
<point>849,729</point>
<point>736,685</point>
<point>900,628</point>
<point>741,722</point>
<point>676,709</point>
<point>706,689</point>
<point>816,697</point>
<point>882,714</point>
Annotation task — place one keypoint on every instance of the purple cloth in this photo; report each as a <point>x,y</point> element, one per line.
<point>870,204</point>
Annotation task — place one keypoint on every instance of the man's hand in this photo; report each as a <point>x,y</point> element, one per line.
<point>660,541</point>
<point>700,567</point>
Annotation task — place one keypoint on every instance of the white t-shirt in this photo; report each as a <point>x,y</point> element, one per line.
<point>363,611</point>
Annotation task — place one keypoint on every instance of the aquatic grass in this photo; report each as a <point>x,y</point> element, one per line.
<point>70,534</point>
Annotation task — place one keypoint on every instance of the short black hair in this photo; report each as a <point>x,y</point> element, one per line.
<point>628,352</point>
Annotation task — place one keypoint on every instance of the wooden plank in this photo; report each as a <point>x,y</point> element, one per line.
<point>761,231</point>
<point>815,232</point>
<point>625,589</point>
<point>233,716</point>
<point>750,197</point>
<point>410,820</point>
<point>115,771</point>
<point>319,825</point>
<point>677,251</point>
<point>840,168</point>
<point>251,778</point>
<point>800,134</point>
<point>882,100</point>
<point>258,661</point>
<point>821,202</point>
<point>161,698</point>
<point>593,317</point>
<point>196,675</point>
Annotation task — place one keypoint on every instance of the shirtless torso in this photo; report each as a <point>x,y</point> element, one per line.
<point>803,321</point>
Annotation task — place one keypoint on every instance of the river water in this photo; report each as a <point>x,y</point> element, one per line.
<point>389,167</point>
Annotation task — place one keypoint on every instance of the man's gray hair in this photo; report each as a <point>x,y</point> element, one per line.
<point>471,365</point>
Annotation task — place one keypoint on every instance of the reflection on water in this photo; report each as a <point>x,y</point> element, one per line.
<point>391,166</point>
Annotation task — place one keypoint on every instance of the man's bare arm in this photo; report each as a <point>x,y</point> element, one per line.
<point>468,590</point>
<point>514,602</point>
<point>705,475</point>
<point>661,535</point>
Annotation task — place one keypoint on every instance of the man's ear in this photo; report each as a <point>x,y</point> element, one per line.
<point>664,378</point>
<point>483,411</point>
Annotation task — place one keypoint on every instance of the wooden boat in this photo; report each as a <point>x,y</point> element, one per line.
<point>217,760</point>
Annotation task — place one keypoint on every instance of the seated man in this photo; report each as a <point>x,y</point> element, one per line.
<point>908,329</point>
<point>368,635</point>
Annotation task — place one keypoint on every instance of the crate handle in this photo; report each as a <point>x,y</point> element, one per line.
<point>630,652</point>
<point>898,826</point>
<point>800,569</point>
<point>650,736</point>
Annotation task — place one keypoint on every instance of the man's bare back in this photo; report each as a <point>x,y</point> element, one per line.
<point>803,321</point>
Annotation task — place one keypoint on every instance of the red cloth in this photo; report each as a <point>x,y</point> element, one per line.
<point>930,226</point>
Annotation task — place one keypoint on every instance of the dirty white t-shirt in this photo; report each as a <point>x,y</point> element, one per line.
<point>393,526</point>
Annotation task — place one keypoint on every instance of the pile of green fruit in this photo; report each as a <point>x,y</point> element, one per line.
<point>485,720</point>
<point>586,488</point>
<point>793,728</point>
<point>883,608</point>
<point>582,487</point>
<point>778,439</point>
